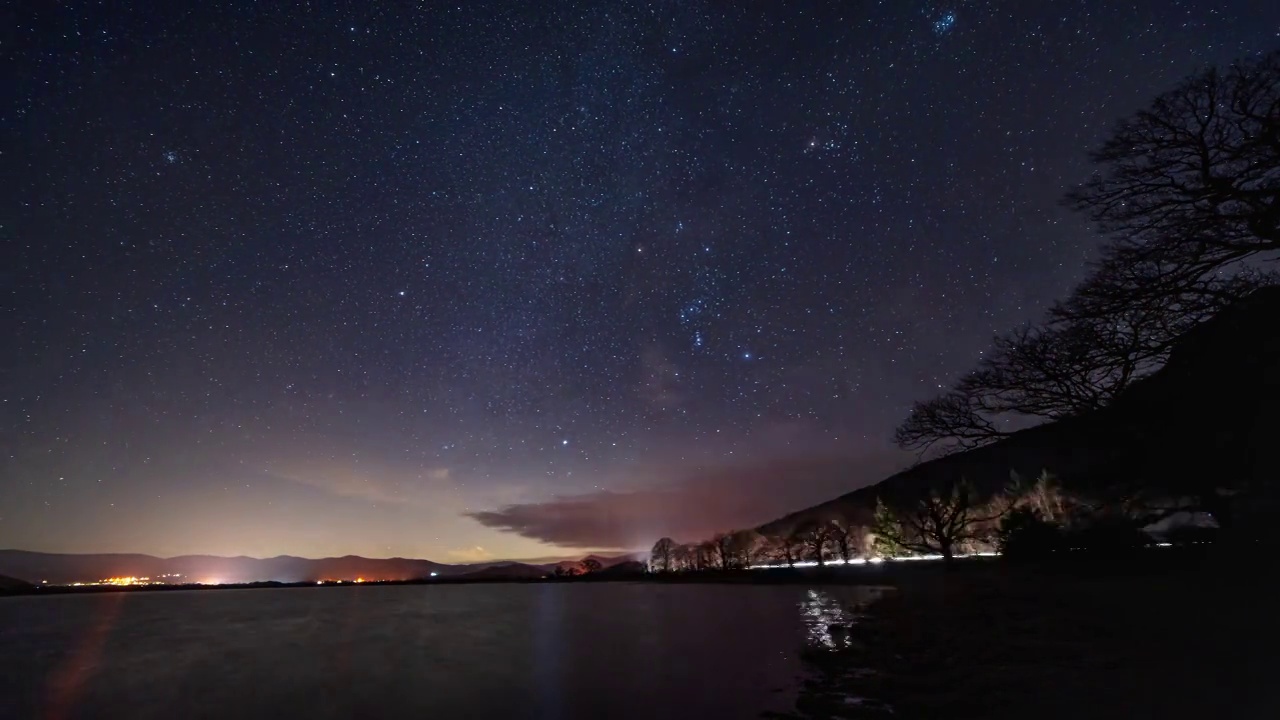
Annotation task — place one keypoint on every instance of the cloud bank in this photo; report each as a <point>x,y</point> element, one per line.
<point>702,503</point>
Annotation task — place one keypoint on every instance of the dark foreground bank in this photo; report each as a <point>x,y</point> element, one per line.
<point>1181,634</point>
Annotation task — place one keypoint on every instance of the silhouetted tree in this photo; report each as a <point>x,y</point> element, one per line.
<point>1109,333</point>
<point>661,558</point>
<point>1054,371</point>
<point>959,419</point>
<point>1141,307</point>
<point>591,565</point>
<point>1192,182</point>
<point>939,523</point>
<point>1068,365</point>
<point>1024,533</point>
<point>1189,194</point>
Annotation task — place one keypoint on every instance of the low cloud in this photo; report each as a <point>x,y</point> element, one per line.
<point>704,502</point>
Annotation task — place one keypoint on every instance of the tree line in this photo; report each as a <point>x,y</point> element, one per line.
<point>1024,519</point>
<point>817,541</point>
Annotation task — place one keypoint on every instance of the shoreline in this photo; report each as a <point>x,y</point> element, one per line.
<point>880,574</point>
<point>1192,638</point>
<point>889,572</point>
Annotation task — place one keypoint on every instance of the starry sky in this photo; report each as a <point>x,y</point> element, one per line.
<point>494,279</point>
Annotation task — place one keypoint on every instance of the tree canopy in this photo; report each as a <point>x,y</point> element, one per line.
<point>1192,182</point>
<point>1188,196</point>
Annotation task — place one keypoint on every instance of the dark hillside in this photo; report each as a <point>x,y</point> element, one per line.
<point>1208,418</point>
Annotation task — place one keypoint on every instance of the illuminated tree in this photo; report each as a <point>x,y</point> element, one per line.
<point>722,551</point>
<point>939,523</point>
<point>661,559</point>
<point>865,542</point>
<point>704,555</point>
<point>847,538</point>
<point>815,538</point>
<point>1044,498</point>
<point>783,548</point>
<point>683,557</point>
<point>745,547</point>
<point>885,527</point>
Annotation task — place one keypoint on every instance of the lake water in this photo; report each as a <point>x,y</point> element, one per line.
<point>606,650</point>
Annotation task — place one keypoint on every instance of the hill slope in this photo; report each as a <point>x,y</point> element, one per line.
<point>9,584</point>
<point>507,571</point>
<point>1207,415</point>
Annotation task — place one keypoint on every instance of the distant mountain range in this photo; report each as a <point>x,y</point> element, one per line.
<point>63,569</point>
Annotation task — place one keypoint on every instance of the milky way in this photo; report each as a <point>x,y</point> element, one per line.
<point>417,279</point>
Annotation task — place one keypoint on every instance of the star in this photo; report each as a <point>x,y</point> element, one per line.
<point>666,241</point>
<point>943,24</point>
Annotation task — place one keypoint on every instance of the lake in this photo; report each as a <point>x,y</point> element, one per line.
<point>616,650</point>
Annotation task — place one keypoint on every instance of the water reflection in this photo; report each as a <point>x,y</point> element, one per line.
<point>571,651</point>
<point>829,621</point>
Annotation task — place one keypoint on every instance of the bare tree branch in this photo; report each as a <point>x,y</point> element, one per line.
<point>1195,177</point>
<point>1190,197</point>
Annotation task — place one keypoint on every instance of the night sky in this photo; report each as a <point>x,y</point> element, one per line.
<point>475,280</point>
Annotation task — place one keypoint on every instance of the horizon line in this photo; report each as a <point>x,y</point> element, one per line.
<point>526,561</point>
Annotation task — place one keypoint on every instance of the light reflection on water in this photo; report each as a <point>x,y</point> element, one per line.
<point>828,619</point>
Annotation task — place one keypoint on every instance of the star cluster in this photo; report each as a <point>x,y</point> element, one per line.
<point>331,278</point>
